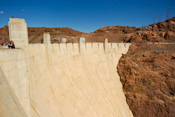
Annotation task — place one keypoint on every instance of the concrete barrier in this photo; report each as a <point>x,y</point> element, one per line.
<point>63,40</point>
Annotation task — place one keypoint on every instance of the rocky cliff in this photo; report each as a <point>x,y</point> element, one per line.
<point>147,73</point>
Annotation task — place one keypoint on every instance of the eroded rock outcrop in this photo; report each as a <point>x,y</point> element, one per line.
<point>147,73</point>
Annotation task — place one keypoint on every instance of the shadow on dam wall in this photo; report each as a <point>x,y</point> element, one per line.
<point>66,79</point>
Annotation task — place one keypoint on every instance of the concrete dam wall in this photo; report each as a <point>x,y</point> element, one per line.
<point>65,79</point>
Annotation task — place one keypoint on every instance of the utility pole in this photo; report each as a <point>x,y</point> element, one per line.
<point>160,18</point>
<point>168,13</point>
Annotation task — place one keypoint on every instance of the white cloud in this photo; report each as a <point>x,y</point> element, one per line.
<point>1,12</point>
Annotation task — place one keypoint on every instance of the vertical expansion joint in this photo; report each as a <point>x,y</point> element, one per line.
<point>63,40</point>
<point>106,45</point>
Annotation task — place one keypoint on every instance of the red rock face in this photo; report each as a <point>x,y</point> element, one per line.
<point>147,73</point>
<point>4,34</point>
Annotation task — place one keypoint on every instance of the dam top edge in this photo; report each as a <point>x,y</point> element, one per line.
<point>7,49</point>
<point>85,42</point>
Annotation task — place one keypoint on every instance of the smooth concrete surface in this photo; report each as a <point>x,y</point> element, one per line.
<point>60,80</point>
<point>81,44</point>
<point>72,84</point>
<point>75,84</point>
<point>3,47</point>
<point>47,43</point>
<point>106,45</point>
<point>19,34</point>
<point>46,38</point>
<point>9,103</point>
<point>63,40</point>
<point>13,65</point>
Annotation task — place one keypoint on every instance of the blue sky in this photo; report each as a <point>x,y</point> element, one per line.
<point>85,15</point>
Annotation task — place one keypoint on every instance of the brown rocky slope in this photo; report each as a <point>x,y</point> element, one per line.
<point>35,35</point>
<point>160,32</point>
<point>147,73</point>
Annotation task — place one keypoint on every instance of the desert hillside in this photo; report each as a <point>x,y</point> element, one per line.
<point>36,34</point>
<point>160,32</point>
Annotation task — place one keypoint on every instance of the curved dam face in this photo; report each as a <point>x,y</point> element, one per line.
<point>66,79</point>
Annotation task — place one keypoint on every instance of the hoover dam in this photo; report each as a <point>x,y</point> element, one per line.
<point>60,79</point>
